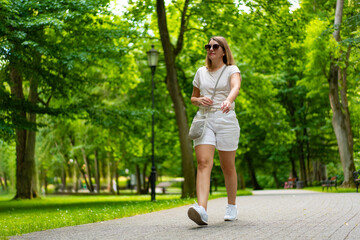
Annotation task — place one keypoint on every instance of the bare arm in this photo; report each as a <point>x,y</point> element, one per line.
<point>197,100</point>
<point>235,84</point>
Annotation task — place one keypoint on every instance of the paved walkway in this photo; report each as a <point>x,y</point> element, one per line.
<point>280,214</point>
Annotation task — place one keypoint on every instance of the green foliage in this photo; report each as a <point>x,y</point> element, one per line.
<point>57,43</point>
<point>95,85</point>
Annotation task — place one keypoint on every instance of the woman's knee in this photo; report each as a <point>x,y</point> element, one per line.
<point>228,168</point>
<point>204,163</point>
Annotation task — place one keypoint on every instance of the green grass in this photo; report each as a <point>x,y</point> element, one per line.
<point>24,216</point>
<point>6,196</point>
<point>333,190</point>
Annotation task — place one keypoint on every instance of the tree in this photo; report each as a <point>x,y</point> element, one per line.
<point>341,116</point>
<point>171,53</point>
<point>50,46</point>
<point>270,56</point>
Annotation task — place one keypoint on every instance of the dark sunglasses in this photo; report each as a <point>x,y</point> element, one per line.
<point>215,46</point>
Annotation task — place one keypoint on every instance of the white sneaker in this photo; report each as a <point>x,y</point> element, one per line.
<point>198,214</point>
<point>231,213</point>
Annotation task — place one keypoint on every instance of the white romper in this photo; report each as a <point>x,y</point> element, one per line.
<point>222,130</point>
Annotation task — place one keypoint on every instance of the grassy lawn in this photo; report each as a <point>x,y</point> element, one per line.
<point>333,190</point>
<point>24,216</point>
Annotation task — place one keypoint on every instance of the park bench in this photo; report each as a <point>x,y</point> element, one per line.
<point>329,183</point>
<point>356,175</point>
<point>290,183</point>
<point>164,186</point>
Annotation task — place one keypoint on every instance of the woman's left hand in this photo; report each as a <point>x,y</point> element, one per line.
<point>226,106</point>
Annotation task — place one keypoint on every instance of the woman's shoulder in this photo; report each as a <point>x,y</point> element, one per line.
<point>233,68</point>
<point>202,69</point>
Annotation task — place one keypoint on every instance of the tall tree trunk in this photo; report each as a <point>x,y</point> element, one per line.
<point>345,105</point>
<point>26,176</point>
<point>291,106</point>
<point>5,182</point>
<point>138,179</point>
<point>338,122</point>
<point>109,172</point>
<point>114,182</point>
<point>302,160</point>
<point>240,176</point>
<point>82,173</point>
<point>241,180</point>
<point>308,174</point>
<point>24,166</point>
<point>341,115</point>
<point>323,171</point>
<point>146,186</point>
<point>173,87</point>
<point>88,169</point>
<point>276,180</point>
<point>31,134</point>
<point>117,177</point>
<point>254,181</point>
<point>319,171</point>
<point>293,166</point>
<point>63,178</point>
<point>316,171</point>
<point>45,182</point>
<point>75,179</point>
<point>103,168</point>
<point>72,143</point>
<point>97,172</point>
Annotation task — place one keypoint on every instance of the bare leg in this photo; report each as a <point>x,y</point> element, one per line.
<point>227,162</point>
<point>205,160</point>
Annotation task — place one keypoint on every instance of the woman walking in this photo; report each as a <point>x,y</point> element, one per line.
<point>222,130</point>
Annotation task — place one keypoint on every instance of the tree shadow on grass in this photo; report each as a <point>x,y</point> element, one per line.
<point>38,205</point>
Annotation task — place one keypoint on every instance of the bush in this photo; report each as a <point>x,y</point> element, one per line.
<point>316,183</point>
<point>50,188</point>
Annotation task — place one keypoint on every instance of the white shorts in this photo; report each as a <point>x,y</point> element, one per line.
<point>222,130</point>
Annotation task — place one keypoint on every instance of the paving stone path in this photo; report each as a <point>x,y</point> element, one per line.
<point>278,214</point>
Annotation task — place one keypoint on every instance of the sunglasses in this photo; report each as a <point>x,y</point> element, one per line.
<point>215,46</point>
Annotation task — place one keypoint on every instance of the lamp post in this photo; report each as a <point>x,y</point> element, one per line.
<point>152,60</point>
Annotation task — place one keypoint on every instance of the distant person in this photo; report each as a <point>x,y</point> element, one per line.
<point>222,130</point>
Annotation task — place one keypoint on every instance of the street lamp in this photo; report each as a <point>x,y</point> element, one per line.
<point>153,57</point>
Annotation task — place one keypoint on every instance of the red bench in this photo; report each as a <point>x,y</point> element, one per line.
<point>291,183</point>
<point>329,183</point>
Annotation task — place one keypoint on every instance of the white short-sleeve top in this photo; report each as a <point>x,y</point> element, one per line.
<point>205,81</point>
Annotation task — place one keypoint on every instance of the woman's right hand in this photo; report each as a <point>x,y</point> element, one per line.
<point>204,101</point>
<point>198,100</point>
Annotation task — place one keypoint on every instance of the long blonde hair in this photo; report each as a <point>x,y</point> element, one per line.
<point>227,58</point>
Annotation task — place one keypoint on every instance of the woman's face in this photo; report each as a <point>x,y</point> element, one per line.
<point>214,51</point>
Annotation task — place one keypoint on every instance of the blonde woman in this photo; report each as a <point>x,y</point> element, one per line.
<point>222,130</point>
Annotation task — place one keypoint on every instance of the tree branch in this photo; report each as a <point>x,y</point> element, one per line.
<point>41,101</point>
<point>180,40</point>
<point>196,29</point>
<point>347,56</point>
<point>164,33</point>
<point>338,19</point>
